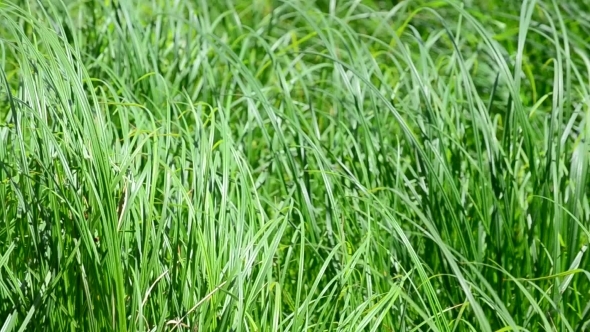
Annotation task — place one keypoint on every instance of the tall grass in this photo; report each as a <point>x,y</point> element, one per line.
<point>294,166</point>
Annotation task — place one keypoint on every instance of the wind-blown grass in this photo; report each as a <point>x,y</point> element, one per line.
<point>294,166</point>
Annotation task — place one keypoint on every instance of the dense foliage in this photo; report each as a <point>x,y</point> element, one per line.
<point>269,165</point>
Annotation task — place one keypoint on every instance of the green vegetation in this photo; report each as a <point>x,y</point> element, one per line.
<point>274,165</point>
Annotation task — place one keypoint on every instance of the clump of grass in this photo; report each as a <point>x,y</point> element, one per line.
<point>293,166</point>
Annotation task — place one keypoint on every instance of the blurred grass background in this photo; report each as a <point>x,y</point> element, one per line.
<point>264,165</point>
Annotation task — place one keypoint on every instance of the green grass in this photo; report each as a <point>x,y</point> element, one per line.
<point>274,165</point>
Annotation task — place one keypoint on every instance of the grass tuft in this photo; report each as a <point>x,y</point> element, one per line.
<point>294,165</point>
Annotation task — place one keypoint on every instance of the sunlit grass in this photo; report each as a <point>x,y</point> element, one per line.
<point>294,166</point>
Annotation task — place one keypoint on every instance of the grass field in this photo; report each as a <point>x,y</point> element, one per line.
<point>269,165</point>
